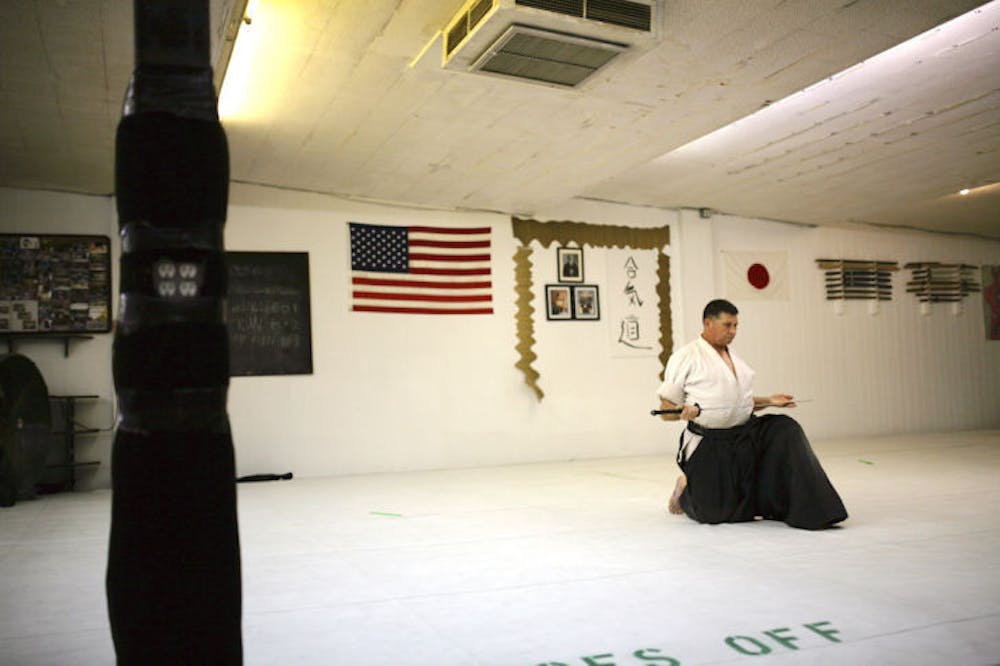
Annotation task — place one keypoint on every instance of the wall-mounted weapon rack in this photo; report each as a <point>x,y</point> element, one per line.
<point>935,282</point>
<point>858,279</point>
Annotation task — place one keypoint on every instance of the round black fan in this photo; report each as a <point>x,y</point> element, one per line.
<point>25,428</point>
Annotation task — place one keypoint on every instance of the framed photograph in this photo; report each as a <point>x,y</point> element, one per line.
<point>586,304</point>
<point>570,264</point>
<point>558,302</point>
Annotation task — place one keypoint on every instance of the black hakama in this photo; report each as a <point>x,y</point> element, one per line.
<point>764,468</point>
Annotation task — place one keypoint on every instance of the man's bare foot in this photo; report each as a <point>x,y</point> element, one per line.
<point>674,506</point>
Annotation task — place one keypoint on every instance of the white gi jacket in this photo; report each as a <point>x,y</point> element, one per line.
<point>696,373</point>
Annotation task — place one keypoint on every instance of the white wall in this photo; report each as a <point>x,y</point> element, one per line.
<point>414,392</point>
<point>893,372</point>
<point>87,369</point>
<point>398,392</point>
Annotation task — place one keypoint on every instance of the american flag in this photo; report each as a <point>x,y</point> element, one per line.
<point>420,270</point>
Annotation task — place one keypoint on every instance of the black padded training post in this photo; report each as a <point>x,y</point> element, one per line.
<point>173,577</point>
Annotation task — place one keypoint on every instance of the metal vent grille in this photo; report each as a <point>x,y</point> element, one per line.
<point>568,7</point>
<point>619,12</point>
<point>546,57</point>
<point>478,11</point>
<point>466,24</point>
<point>456,34</point>
<point>635,15</point>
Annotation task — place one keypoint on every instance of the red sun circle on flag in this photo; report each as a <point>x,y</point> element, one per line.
<point>758,276</point>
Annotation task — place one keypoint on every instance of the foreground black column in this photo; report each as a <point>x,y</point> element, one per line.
<point>173,578</point>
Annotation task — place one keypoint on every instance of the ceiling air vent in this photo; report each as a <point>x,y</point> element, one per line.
<point>466,22</point>
<point>568,7</point>
<point>546,57</point>
<point>635,15</point>
<point>554,42</point>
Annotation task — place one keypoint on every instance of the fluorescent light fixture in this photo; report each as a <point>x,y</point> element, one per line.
<point>265,67</point>
<point>875,73</point>
<point>236,82</point>
<point>986,189</point>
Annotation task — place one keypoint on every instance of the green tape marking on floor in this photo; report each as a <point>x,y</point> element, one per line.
<point>867,462</point>
<point>386,513</point>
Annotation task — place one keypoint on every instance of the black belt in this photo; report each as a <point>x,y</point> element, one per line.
<point>720,433</point>
<point>712,433</point>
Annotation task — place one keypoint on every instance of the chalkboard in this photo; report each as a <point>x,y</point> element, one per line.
<point>267,313</point>
<point>54,283</point>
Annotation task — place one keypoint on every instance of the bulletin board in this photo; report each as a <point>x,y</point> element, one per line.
<point>55,283</point>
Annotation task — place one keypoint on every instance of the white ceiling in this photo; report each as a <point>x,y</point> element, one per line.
<point>342,102</point>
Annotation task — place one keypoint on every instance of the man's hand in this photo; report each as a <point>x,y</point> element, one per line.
<point>688,412</point>
<point>776,400</point>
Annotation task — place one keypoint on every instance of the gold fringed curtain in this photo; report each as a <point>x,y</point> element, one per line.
<point>525,321</point>
<point>595,235</point>
<point>666,327</point>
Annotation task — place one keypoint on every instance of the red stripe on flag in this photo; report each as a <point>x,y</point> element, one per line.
<point>433,298</point>
<point>435,311</point>
<point>449,244</point>
<point>465,231</point>
<point>449,271</point>
<point>378,282</point>
<point>426,256</point>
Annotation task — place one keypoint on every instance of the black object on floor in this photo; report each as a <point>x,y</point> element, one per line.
<point>264,477</point>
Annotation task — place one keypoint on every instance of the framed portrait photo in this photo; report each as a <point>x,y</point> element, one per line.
<point>558,302</point>
<point>586,304</point>
<point>569,262</point>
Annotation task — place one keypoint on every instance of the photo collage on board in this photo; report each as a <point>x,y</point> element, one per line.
<point>55,284</point>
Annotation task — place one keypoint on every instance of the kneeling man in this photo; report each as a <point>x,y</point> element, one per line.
<point>736,466</point>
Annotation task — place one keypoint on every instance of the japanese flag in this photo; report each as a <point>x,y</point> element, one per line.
<point>756,276</point>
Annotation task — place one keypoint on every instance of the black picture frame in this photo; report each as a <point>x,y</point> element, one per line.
<point>586,302</point>
<point>565,302</point>
<point>558,302</point>
<point>569,264</point>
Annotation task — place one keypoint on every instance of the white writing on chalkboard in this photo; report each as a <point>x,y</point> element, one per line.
<point>266,340</point>
<point>267,313</point>
<point>273,272</point>
<point>263,307</point>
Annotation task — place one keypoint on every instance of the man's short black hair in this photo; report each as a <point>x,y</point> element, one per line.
<point>717,307</point>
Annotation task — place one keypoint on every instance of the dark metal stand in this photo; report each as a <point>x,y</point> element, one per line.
<point>69,429</point>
